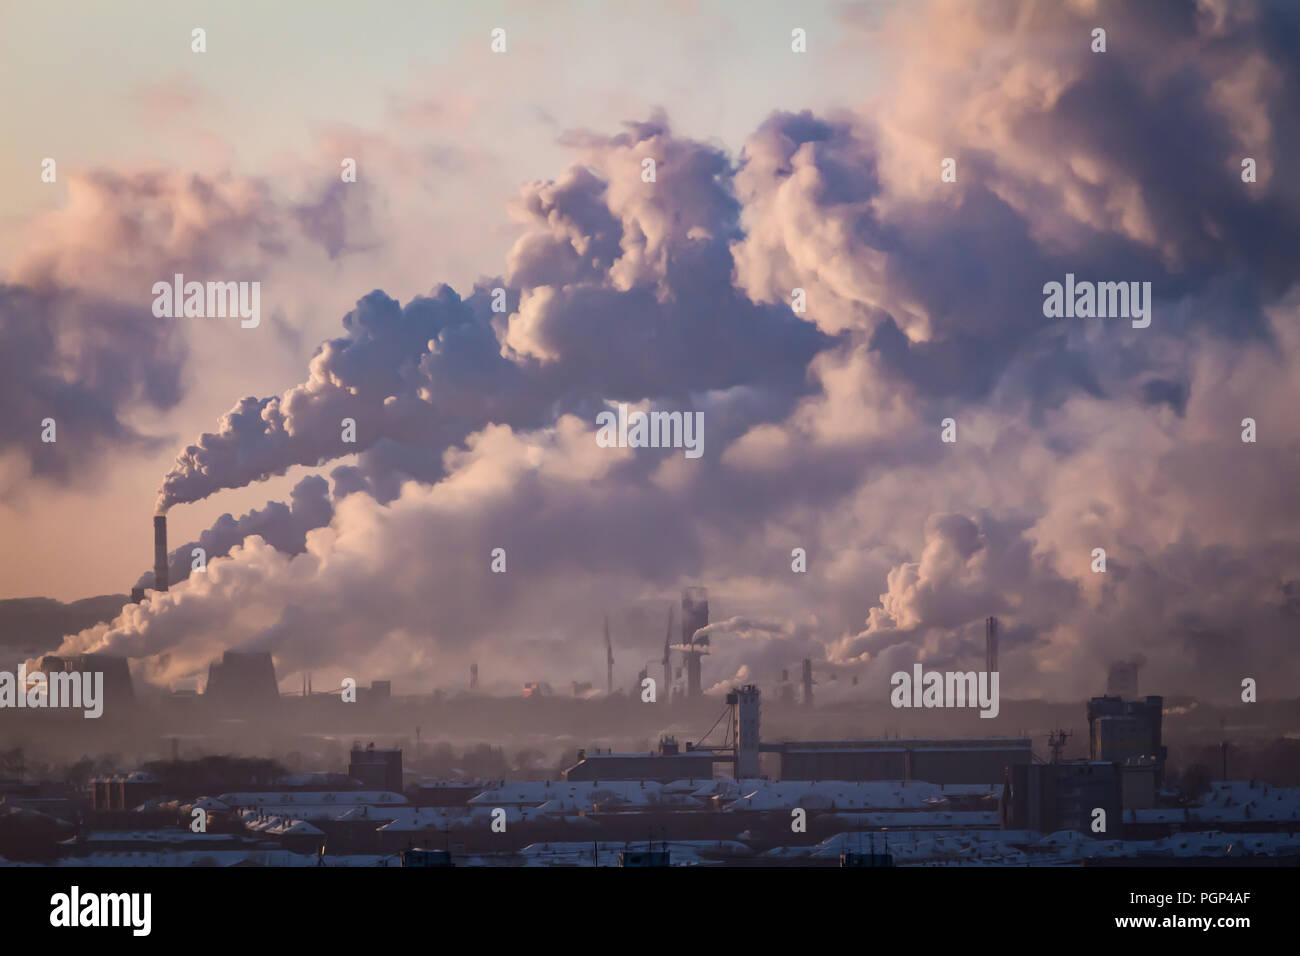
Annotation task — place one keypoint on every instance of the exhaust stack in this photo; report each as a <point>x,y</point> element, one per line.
<point>160,552</point>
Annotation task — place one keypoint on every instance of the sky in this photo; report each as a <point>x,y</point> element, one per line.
<point>279,95</point>
<point>822,170</point>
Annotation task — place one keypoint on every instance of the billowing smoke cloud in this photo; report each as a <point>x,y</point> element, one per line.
<point>822,430</point>
<point>122,231</point>
<point>79,343</point>
<point>82,361</point>
<point>617,296</point>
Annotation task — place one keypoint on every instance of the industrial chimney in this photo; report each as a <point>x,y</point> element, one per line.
<point>695,615</point>
<point>160,552</point>
<point>744,724</point>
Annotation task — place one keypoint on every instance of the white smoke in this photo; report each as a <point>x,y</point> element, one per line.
<point>823,428</point>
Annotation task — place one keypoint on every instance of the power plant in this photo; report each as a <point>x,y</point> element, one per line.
<point>1124,734</point>
<point>961,785</point>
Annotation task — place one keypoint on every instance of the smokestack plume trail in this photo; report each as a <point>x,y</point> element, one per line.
<point>160,552</point>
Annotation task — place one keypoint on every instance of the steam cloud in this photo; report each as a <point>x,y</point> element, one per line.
<point>924,303</point>
<point>77,346</point>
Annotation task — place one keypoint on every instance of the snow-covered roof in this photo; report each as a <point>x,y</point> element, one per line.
<point>171,835</point>
<point>209,803</point>
<point>681,853</point>
<point>534,793</point>
<point>283,826</point>
<point>845,795</point>
<point>1235,793</point>
<point>278,798</point>
<point>1027,847</point>
<point>219,857</point>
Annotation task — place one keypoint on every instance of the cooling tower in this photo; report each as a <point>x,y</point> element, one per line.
<point>160,552</point>
<point>242,681</point>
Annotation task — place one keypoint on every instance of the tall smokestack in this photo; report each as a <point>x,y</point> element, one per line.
<point>695,615</point>
<point>160,552</point>
<point>991,645</point>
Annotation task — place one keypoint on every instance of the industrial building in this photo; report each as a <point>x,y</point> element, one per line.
<point>941,761</point>
<point>122,791</point>
<point>376,769</point>
<point>667,764</point>
<point>1062,796</point>
<point>1128,733</point>
<point>1123,772</point>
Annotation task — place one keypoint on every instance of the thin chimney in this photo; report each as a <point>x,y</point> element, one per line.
<point>160,552</point>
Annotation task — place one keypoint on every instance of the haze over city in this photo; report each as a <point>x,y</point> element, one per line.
<point>688,434</point>
<point>475,428</point>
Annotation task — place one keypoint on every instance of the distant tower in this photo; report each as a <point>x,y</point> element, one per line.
<point>787,689</point>
<point>609,660</point>
<point>695,615</point>
<point>991,645</point>
<point>807,683</point>
<point>473,676</point>
<point>160,552</point>
<point>744,730</point>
